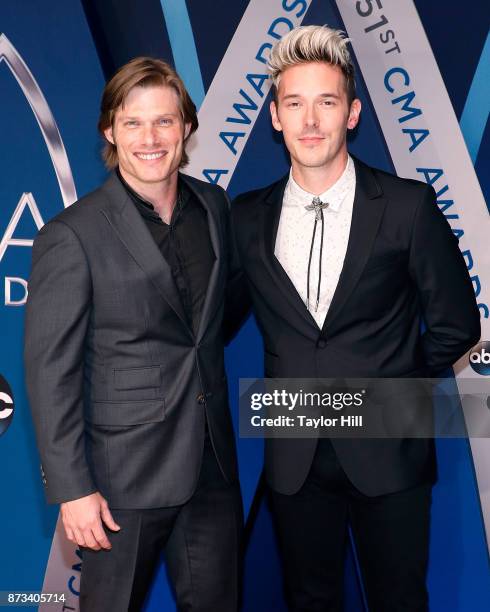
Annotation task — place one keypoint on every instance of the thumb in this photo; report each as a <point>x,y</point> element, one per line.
<point>106,516</point>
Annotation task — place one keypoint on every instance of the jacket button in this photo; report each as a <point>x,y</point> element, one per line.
<point>201,399</point>
<point>322,343</point>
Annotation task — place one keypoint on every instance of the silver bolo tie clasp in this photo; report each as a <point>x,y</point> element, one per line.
<point>318,206</point>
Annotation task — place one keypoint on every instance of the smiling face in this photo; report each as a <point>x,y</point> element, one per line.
<point>148,132</point>
<point>313,113</point>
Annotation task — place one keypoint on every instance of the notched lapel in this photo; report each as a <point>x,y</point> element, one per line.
<point>131,230</point>
<point>369,205</point>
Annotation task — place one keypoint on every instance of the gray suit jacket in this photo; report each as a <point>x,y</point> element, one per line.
<point>117,380</point>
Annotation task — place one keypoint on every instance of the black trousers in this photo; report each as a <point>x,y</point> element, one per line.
<point>391,534</point>
<point>201,541</point>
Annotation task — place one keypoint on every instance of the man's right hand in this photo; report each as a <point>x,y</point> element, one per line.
<point>82,520</point>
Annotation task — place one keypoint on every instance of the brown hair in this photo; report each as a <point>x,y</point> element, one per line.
<point>142,72</point>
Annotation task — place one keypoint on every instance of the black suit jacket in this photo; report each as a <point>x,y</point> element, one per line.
<point>402,263</point>
<point>118,382</point>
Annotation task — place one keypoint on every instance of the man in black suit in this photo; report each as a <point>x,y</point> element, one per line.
<point>343,262</point>
<point>124,361</point>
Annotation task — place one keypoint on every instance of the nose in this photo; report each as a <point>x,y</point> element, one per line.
<point>311,117</point>
<point>150,134</point>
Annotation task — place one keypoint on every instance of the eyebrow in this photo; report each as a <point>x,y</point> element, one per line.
<point>137,117</point>
<point>322,95</point>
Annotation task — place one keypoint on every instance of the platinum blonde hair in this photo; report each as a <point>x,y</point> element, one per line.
<point>312,44</point>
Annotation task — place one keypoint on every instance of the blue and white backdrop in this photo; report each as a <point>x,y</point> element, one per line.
<point>424,81</point>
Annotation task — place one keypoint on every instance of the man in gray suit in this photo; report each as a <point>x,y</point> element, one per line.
<point>124,361</point>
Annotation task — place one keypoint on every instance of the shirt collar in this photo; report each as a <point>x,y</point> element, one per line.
<point>335,195</point>
<point>145,206</point>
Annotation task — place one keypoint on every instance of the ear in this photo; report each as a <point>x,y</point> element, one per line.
<point>354,112</point>
<point>274,116</point>
<point>108,134</point>
<point>187,130</point>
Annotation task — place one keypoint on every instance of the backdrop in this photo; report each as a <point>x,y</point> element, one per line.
<point>423,79</point>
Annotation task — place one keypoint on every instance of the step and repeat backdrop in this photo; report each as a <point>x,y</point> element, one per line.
<point>423,79</point>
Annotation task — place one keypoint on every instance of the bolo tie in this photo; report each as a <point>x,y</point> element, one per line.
<point>317,205</point>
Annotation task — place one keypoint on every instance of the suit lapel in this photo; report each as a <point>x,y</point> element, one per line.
<point>130,228</point>
<point>270,215</point>
<point>213,294</point>
<point>367,213</point>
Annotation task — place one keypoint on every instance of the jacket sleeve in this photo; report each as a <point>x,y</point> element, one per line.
<point>444,287</point>
<point>57,318</point>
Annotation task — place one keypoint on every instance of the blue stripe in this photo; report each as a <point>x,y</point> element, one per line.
<point>475,113</point>
<point>183,47</point>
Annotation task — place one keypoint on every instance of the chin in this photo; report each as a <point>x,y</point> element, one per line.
<point>314,163</point>
<point>155,176</point>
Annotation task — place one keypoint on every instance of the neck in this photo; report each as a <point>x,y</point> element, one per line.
<point>162,195</point>
<point>318,180</point>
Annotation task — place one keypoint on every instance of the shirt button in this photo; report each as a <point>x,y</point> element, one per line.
<point>201,399</point>
<point>322,343</point>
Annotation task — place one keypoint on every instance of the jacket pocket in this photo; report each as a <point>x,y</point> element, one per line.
<point>126,379</point>
<point>128,413</point>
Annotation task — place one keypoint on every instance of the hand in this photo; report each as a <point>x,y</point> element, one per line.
<point>82,520</point>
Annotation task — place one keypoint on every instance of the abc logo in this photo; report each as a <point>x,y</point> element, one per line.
<point>6,405</point>
<point>480,358</point>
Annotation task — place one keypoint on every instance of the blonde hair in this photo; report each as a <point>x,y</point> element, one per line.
<point>312,44</point>
<point>142,72</point>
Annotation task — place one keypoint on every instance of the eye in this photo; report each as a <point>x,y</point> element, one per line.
<point>293,104</point>
<point>164,121</point>
<point>131,123</point>
<point>327,103</point>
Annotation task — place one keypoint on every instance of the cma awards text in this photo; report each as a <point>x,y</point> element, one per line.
<point>15,287</point>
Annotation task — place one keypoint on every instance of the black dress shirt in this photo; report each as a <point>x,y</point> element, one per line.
<point>184,243</point>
